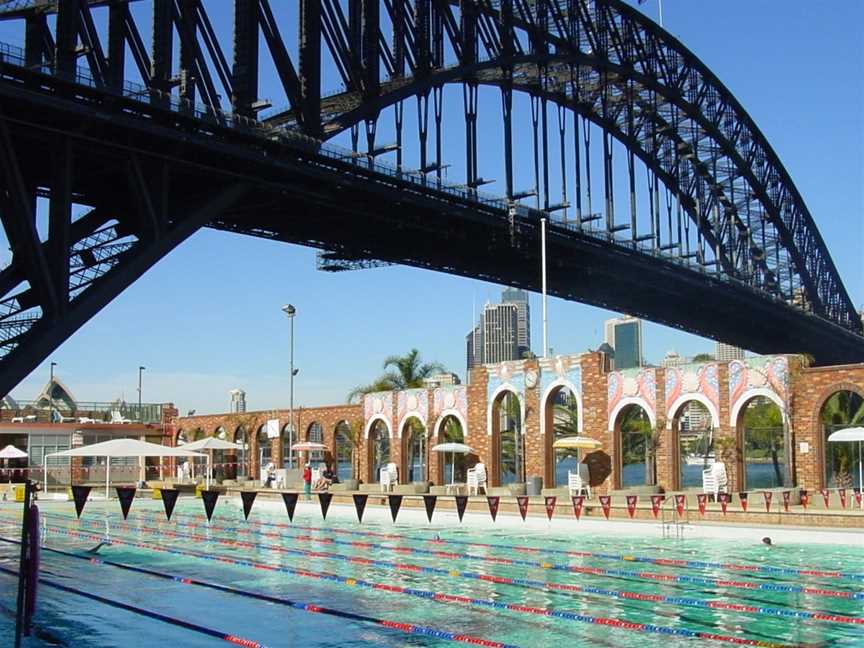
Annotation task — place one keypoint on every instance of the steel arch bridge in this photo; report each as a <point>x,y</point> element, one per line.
<point>663,198</point>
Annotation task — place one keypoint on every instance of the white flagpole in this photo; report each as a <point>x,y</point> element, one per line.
<point>660,2</point>
<point>543,269</point>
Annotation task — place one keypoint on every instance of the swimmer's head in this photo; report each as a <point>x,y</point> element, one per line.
<point>767,541</point>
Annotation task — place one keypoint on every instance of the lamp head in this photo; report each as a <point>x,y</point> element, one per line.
<point>289,310</point>
<point>141,368</point>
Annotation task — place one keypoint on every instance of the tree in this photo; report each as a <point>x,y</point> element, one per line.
<point>400,372</point>
<point>352,435</point>
<point>763,423</point>
<point>644,441</point>
<point>703,357</point>
<point>842,409</point>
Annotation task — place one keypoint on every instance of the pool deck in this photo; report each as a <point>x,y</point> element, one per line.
<point>847,522</point>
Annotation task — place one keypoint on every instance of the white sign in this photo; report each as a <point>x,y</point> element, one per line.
<point>77,439</point>
<point>273,428</point>
<point>804,447</point>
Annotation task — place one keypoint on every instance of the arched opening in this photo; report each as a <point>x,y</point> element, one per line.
<point>843,409</point>
<point>416,449</point>
<point>694,442</point>
<point>562,420</point>
<point>181,439</point>
<point>344,451</point>
<point>265,452</point>
<point>450,431</point>
<point>290,459</point>
<point>221,467</point>
<point>315,434</point>
<point>241,437</point>
<point>636,443</point>
<point>379,450</point>
<point>508,441</point>
<point>763,437</point>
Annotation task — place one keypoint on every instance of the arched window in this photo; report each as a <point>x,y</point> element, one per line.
<point>315,434</point>
<point>344,451</point>
<point>379,450</point>
<point>562,419</point>
<point>451,432</point>
<point>264,450</point>
<point>290,458</point>
<point>416,448</point>
<point>241,437</point>
<point>220,457</point>
<point>695,429</point>
<point>508,437</point>
<point>766,462</point>
<point>842,461</point>
<point>636,460</point>
<point>181,438</point>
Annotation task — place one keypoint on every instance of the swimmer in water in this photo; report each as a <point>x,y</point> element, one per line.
<point>767,541</point>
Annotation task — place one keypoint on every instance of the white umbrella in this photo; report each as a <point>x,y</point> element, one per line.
<point>848,435</point>
<point>453,449</point>
<point>210,444</point>
<point>11,452</point>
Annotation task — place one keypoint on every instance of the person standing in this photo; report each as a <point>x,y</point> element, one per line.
<point>307,481</point>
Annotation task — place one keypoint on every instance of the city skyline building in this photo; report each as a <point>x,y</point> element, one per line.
<point>444,379</point>
<point>474,349</point>
<point>673,359</point>
<point>500,324</point>
<point>624,335</point>
<point>523,317</point>
<point>727,352</point>
<point>238,401</point>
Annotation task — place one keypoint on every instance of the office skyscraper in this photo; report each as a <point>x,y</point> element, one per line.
<point>624,335</point>
<point>523,317</point>
<point>500,324</point>
<point>726,352</point>
<point>238,401</point>
<point>474,347</point>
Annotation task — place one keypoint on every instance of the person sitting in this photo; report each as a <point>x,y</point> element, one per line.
<point>270,470</point>
<point>325,479</point>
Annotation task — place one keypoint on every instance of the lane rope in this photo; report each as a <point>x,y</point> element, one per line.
<point>441,597</point>
<point>526,582</point>
<point>306,607</point>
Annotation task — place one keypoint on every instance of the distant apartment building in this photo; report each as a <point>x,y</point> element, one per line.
<point>624,335</point>
<point>238,401</point>
<point>726,352</point>
<point>500,324</point>
<point>441,380</point>
<point>672,359</point>
<point>523,318</point>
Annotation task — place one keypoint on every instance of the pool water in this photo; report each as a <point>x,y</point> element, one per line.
<point>506,585</point>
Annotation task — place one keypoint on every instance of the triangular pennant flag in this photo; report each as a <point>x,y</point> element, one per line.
<point>767,496</point>
<point>461,503</point>
<point>631,504</point>
<point>209,497</point>
<point>248,498</point>
<point>79,496</point>
<point>857,492</point>
<point>805,498</point>
<point>656,503</point>
<point>290,500</point>
<point>701,500</point>
<point>395,502</point>
<point>493,501</point>
<point>550,505</point>
<point>578,502</point>
<point>787,495</point>
<point>324,501</point>
<point>169,499</point>
<point>842,493</point>
<point>429,502</point>
<point>125,494</point>
<point>724,501</point>
<point>826,495</point>
<point>680,503</point>
<point>522,502</point>
<point>360,505</point>
<point>743,498</point>
<point>606,503</point>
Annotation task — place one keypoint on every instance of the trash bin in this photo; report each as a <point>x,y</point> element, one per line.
<point>534,485</point>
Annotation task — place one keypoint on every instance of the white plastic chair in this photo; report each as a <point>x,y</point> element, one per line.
<point>389,477</point>
<point>477,478</point>
<point>714,480</point>
<point>576,484</point>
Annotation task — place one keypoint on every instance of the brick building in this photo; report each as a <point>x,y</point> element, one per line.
<point>766,423</point>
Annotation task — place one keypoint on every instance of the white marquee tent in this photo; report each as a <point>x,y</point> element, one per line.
<point>120,448</point>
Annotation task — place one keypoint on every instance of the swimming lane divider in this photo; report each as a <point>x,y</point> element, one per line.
<point>447,598</point>
<point>306,607</point>
<point>164,618</point>
<point>691,564</point>
<point>526,582</point>
<point>594,571</point>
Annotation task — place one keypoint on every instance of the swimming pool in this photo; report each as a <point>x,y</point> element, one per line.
<point>334,582</point>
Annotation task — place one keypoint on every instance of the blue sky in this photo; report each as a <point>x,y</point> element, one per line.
<point>207,318</point>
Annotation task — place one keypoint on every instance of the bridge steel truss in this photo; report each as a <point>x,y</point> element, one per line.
<point>123,170</point>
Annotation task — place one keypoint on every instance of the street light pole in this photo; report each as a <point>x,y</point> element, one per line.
<point>140,414</point>
<point>51,394</point>
<point>290,311</point>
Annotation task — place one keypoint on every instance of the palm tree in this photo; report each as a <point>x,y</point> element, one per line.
<point>400,372</point>
<point>843,409</point>
<point>763,423</point>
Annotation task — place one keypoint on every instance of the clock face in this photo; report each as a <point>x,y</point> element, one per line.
<point>531,378</point>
